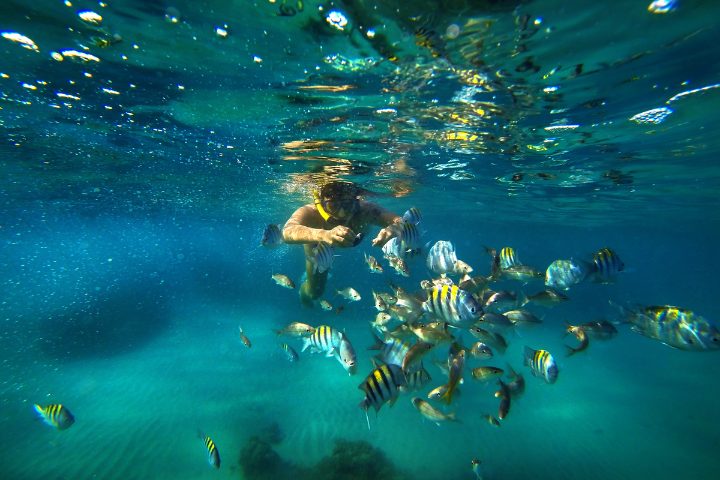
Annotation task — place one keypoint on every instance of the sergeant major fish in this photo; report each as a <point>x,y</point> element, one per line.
<point>452,304</point>
<point>381,386</point>
<point>676,327</point>
<point>272,236</point>
<point>212,451</point>
<point>541,364</point>
<point>442,258</point>
<point>321,257</point>
<point>290,352</point>
<point>412,215</point>
<point>606,264</point>
<point>55,415</point>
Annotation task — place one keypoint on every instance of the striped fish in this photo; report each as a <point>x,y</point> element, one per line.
<point>392,350</point>
<point>606,265</point>
<point>541,364</point>
<point>322,257</point>
<point>676,327</point>
<point>55,415</point>
<point>409,237</point>
<point>417,378</point>
<point>324,339</point>
<point>452,304</point>
<point>382,386</point>
<point>213,454</point>
<point>442,258</point>
<point>412,215</point>
<point>272,236</point>
<point>507,258</point>
<point>290,352</point>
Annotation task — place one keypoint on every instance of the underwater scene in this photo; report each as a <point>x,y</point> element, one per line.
<point>359,239</point>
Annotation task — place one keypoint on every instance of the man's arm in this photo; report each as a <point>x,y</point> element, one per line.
<point>296,229</point>
<point>383,218</point>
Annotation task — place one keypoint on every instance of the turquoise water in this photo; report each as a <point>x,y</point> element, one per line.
<point>136,188</point>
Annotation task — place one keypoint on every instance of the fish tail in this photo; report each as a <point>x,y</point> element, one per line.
<point>447,396</point>
<point>570,351</point>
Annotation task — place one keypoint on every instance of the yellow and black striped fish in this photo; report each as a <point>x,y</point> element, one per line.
<point>541,364</point>
<point>55,415</point>
<point>324,339</point>
<point>382,386</point>
<point>213,454</point>
<point>508,258</point>
<point>606,264</point>
<point>452,304</point>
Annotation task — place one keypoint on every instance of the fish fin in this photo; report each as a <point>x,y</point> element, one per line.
<point>392,401</point>
<point>306,343</point>
<point>527,354</point>
<point>570,351</point>
<point>331,352</point>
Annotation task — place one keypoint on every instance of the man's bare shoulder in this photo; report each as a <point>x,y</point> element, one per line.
<point>308,215</point>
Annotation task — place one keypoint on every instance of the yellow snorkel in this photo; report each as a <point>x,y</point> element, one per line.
<point>318,204</point>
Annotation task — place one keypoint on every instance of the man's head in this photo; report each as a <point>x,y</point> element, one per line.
<point>337,199</point>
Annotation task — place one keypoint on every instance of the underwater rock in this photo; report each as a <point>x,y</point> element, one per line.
<point>259,461</point>
<point>355,460</point>
<point>271,433</point>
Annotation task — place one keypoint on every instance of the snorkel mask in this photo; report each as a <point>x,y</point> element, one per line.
<point>336,199</point>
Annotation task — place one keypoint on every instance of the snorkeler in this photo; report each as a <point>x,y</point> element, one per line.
<point>338,218</point>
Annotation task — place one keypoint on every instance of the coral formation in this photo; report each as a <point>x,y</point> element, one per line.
<point>355,460</point>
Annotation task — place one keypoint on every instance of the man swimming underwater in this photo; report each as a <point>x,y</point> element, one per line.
<point>339,218</point>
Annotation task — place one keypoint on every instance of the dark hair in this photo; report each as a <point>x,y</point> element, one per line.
<point>340,189</point>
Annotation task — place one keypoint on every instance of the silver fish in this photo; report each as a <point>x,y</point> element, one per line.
<point>563,274</point>
<point>283,280</point>
<point>349,293</point>
<point>432,413</point>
